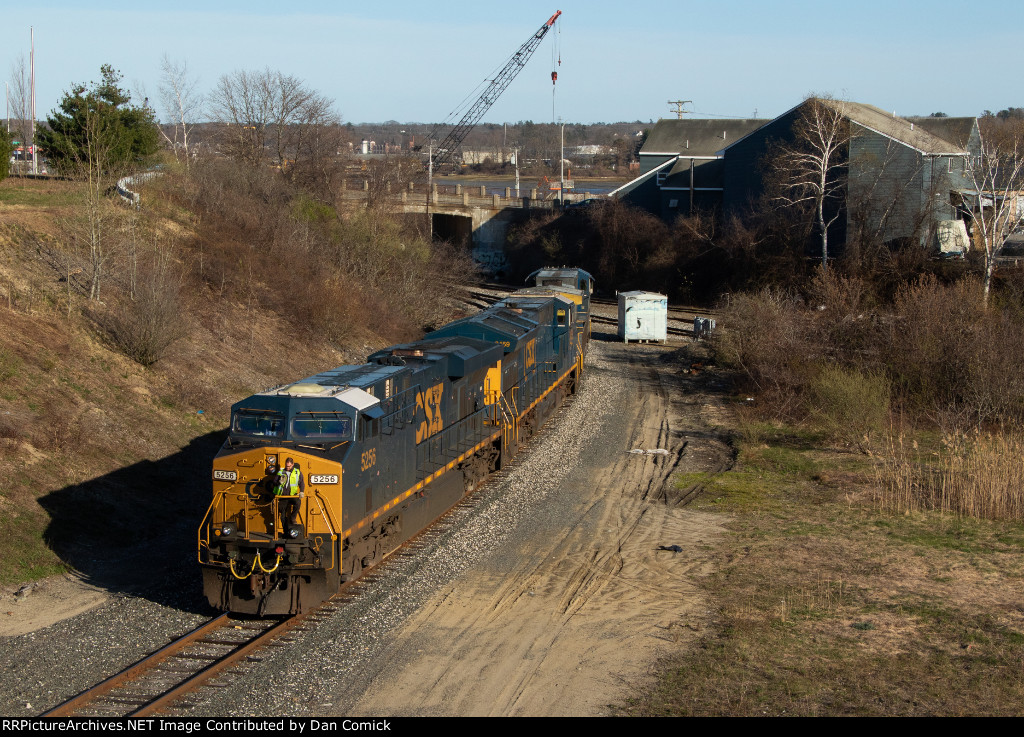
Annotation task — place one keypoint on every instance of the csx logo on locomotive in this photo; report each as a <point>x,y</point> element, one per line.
<point>430,402</point>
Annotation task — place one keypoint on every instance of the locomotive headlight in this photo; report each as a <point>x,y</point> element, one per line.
<point>227,529</point>
<point>295,531</point>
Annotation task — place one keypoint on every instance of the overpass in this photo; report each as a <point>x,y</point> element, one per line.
<point>473,215</point>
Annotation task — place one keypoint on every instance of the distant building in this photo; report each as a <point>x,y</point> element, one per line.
<point>904,176</point>
<point>681,166</point>
<point>590,149</point>
<point>496,155</point>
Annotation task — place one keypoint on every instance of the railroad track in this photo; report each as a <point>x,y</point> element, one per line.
<point>170,674</point>
<point>614,321</point>
<point>220,647</point>
<point>676,314</point>
<point>202,658</point>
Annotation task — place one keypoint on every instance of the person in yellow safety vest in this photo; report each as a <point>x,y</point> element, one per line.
<point>290,488</point>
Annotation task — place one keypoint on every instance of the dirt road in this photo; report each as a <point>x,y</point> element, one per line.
<point>571,614</point>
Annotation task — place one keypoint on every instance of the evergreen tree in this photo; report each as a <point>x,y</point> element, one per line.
<point>96,128</point>
<point>6,149</point>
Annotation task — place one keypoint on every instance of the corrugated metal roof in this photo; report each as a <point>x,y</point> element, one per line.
<point>695,137</point>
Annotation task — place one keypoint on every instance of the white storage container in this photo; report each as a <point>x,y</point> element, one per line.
<point>643,316</point>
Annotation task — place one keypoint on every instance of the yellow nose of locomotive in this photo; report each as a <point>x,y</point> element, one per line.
<point>267,494</point>
<point>270,526</point>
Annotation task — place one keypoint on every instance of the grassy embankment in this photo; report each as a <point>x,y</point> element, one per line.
<point>873,568</point>
<point>826,604</point>
<point>92,440</point>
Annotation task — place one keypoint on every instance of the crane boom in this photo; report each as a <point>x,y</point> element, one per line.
<point>447,148</point>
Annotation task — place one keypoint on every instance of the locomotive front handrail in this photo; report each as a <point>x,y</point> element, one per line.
<point>203,526</point>
<point>320,500</point>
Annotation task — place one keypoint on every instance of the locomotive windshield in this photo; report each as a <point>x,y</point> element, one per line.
<point>325,425</point>
<point>260,423</point>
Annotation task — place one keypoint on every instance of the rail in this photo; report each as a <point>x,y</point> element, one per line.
<point>129,693</point>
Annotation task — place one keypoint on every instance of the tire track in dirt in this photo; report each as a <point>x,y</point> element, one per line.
<point>576,605</point>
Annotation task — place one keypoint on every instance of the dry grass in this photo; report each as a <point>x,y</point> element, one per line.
<point>943,356</point>
<point>969,474</point>
<point>82,425</point>
<point>824,605</point>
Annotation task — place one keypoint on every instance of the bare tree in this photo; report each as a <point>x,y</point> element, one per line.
<point>240,103</point>
<point>318,143</point>
<point>20,101</point>
<point>812,167</point>
<point>269,112</point>
<point>96,166</point>
<point>290,98</point>
<point>997,175</point>
<point>181,101</point>
<point>98,137</point>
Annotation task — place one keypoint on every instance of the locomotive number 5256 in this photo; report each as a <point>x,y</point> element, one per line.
<point>369,459</point>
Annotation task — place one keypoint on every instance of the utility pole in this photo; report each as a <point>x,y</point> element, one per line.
<point>430,190</point>
<point>515,153</point>
<point>32,114</point>
<point>679,107</point>
<point>561,168</point>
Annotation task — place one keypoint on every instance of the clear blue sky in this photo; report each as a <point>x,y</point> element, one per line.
<point>416,61</point>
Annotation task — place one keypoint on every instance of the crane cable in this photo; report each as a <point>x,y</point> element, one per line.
<point>556,52</point>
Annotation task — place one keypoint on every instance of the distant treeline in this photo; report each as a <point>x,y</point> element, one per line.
<point>534,140</point>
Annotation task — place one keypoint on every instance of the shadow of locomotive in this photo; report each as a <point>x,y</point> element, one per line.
<point>133,530</point>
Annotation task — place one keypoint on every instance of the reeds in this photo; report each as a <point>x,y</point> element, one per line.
<point>970,474</point>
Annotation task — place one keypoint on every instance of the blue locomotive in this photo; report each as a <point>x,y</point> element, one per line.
<point>320,479</point>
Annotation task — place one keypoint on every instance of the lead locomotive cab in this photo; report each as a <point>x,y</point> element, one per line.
<point>266,549</point>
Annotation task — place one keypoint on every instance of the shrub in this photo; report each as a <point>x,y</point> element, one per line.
<point>336,274</point>
<point>144,328</point>
<point>766,337</point>
<point>948,353</point>
<point>849,405</point>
